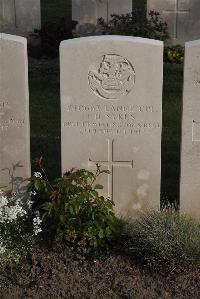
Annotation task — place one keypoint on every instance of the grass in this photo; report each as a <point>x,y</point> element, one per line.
<point>163,240</point>
<point>45,122</point>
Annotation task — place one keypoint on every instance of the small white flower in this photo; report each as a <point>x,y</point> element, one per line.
<point>3,201</point>
<point>13,212</point>
<point>37,225</point>
<point>37,231</point>
<point>32,193</point>
<point>2,249</point>
<point>19,202</point>
<point>29,203</point>
<point>37,221</point>
<point>37,175</point>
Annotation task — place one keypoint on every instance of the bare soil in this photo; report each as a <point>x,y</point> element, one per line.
<point>59,273</point>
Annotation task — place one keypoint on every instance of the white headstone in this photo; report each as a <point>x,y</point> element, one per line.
<point>190,152</point>
<point>19,16</point>
<point>14,111</point>
<point>182,17</point>
<point>87,13</point>
<point>111,94</point>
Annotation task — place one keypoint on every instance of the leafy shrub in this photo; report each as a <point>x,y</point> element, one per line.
<point>174,54</point>
<point>136,24</point>
<point>74,211</point>
<point>164,240</point>
<point>18,226</point>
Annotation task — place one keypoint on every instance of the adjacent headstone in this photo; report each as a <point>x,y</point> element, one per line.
<point>182,17</point>
<point>7,13</point>
<point>87,13</point>
<point>190,153</point>
<point>19,16</point>
<point>14,112</point>
<point>111,94</point>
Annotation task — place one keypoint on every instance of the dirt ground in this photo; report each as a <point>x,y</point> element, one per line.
<point>59,274</point>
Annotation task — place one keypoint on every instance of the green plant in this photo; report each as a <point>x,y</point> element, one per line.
<point>164,240</point>
<point>174,54</point>
<point>74,211</point>
<point>136,24</point>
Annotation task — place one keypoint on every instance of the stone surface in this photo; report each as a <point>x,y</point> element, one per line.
<point>19,16</point>
<point>87,12</point>
<point>111,94</point>
<point>190,152</point>
<point>14,111</point>
<point>182,17</point>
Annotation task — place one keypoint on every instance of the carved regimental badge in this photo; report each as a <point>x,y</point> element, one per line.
<point>112,78</point>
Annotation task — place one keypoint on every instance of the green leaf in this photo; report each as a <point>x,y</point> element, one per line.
<point>77,208</point>
<point>101,233</point>
<point>62,218</point>
<point>37,185</point>
<point>47,206</point>
<point>94,193</point>
<point>66,206</point>
<point>108,232</point>
<point>98,186</point>
<point>71,210</point>
<point>95,243</point>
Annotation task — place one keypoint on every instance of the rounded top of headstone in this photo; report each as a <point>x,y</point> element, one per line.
<point>192,43</point>
<point>138,40</point>
<point>14,38</point>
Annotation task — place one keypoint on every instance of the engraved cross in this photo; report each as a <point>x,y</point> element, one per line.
<point>110,164</point>
<point>176,11</point>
